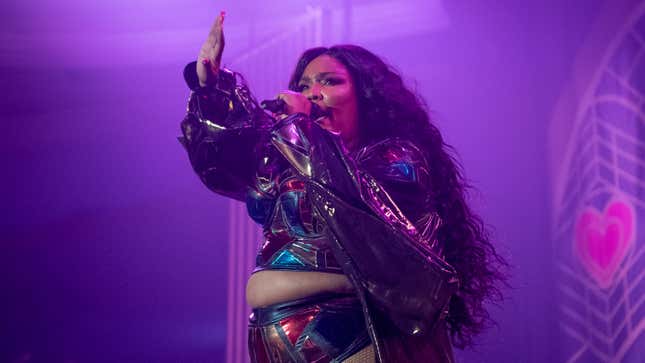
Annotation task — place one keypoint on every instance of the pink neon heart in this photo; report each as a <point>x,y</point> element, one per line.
<point>602,240</point>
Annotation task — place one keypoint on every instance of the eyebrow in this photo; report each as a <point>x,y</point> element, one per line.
<point>320,75</point>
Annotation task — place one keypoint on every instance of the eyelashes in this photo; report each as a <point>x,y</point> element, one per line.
<point>325,82</point>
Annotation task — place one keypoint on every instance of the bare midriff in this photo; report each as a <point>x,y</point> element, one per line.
<point>268,287</point>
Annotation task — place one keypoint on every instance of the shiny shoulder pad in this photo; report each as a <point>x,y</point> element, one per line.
<point>394,160</point>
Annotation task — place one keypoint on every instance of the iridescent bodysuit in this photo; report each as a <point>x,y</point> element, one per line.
<point>364,214</point>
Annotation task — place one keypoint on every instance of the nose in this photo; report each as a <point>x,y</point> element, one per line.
<point>314,93</point>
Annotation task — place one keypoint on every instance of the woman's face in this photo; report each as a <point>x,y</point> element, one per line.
<point>327,83</point>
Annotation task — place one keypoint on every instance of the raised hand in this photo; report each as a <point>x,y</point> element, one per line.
<point>210,55</point>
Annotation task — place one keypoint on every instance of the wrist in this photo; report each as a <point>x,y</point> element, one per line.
<point>223,79</point>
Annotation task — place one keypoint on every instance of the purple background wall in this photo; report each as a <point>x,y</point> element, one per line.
<point>113,251</point>
<point>596,137</point>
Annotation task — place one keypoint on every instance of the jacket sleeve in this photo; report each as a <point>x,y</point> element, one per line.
<point>385,255</point>
<point>402,171</point>
<point>225,134</point>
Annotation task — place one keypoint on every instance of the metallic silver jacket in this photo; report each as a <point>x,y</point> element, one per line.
<point>370,208</point>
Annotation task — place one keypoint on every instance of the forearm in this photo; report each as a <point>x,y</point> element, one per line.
<point>224,134</point>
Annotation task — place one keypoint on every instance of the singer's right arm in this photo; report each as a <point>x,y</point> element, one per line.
<point>225,134</point>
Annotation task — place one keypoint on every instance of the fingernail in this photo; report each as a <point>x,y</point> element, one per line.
<point>204,61</point>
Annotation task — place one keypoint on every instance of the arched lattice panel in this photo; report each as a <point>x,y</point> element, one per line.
<point>600,211</point>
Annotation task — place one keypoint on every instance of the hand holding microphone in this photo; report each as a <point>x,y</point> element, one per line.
<point>290,102</point>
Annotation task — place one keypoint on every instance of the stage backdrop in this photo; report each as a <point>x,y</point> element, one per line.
<point>598,166</point>
<point>113,250</point>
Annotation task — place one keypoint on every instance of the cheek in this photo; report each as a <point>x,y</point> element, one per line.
<point>340,96</point>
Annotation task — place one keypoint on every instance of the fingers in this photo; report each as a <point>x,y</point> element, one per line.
<point>288,94</point>
<point>279,116</point>
<point>289,97</point>
<point>295,102</point>
<point>210,54</point>
<point>211,51</point>
<point>218,23</point>
<point>216,33</point>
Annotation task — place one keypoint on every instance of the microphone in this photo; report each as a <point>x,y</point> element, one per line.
<point>274,106</point>
<point>277,105</point>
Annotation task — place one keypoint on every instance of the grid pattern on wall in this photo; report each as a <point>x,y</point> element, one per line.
<point>600,252</point>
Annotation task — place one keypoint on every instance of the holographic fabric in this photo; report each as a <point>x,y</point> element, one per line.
<point>367,214</point>
<point>308,330</point>
<point>293,238</point>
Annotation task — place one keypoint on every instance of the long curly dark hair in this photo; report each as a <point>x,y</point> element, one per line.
<point>387,108</point>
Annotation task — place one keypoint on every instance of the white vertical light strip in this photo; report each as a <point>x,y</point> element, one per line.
<point>237,241</point>
<point>244,241</point>
<point>243,238</point>
<point>315,14</point>
<point>230,286</point>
